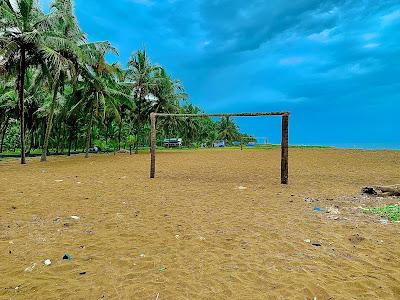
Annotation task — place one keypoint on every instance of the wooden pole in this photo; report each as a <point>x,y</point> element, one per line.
<point>255,114</point>
<point>285,150</point>
<point>153,142</point>
<point>241,143</point>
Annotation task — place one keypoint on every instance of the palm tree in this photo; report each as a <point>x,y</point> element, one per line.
<point>227,129</point>
<point>27,38</point>
<point>63,23</point>
<point>8,107</point>
<point>142,76</point>
<point>101,92</point>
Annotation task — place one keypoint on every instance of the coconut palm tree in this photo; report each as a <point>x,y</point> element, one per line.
<point>64,23</point>
<point>102,91</point>
<point>27,38</point>
<point>227,129</point>
<point>142,76</point>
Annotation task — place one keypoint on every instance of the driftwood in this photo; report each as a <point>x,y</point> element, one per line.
<point>389,190</point>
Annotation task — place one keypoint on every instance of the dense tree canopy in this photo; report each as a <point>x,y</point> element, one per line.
<point>57,90</point>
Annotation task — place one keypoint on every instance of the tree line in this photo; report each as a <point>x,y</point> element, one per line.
<point>59,93</point>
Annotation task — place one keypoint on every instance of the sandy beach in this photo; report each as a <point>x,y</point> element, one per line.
<point>213,224</point>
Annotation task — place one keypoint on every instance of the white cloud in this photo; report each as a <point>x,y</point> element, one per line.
<point>371,45</point>
<point>291,61</point>
<point>369,36</point>
<point>323,36</point>
<point>389,18</point>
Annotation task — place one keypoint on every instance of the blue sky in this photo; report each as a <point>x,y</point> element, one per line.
<point>334,64</point>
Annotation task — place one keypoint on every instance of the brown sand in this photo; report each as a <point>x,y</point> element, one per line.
<point>200,235</point>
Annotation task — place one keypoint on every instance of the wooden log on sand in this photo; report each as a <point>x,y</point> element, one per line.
<point>389,190</point>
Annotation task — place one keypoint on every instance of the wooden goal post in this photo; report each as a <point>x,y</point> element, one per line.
<point>284,142</point>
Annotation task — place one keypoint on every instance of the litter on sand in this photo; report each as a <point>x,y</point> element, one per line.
<point>75,217</point>
<point>67,256</point>
<point>47,262</point>
<point>30,269</point>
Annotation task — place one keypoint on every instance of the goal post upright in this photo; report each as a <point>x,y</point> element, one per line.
<point>284,141</point>
<point>285,150</point>
<point>153,142</point>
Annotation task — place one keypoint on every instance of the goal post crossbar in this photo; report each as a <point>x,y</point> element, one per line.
<point>284,141</point>
<point>255,114</point>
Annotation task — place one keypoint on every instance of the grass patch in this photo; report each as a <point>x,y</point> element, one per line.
<point>392,212</point>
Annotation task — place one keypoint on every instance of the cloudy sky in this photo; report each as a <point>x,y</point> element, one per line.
<point>335,64</point>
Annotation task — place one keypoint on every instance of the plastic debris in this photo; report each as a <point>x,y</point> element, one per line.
<point>59,180</point>
<point>202,238</point>
<point>163,269</point>
<point>242,188</point>
<point>142,255</point>
<point>383,221</point>
<point>309,200</point>
<point>177,236</point>
<point>333,210</point>
<point>67,256</point>
<point>318,209</point>
<point>316,244</point>
<point>307,241</point>
<point>30,269</point>
<point>75,217</point>
<point>82,273</point>
<point>47,262</point>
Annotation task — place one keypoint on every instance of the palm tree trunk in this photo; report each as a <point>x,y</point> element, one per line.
<point>89,133</point>
<point>137,142</point>
<point>3,133</point>
<point>119,136</point>
<point>20,86</point>
<point>31,133</point>
<point>49,122</point>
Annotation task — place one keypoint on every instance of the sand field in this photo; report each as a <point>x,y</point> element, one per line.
<point>214,224</point>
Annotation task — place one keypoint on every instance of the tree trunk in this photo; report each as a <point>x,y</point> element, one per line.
<point>137,142</point>
<point>50,121</point>
<point>3,134</point>
<point>31,142</point>
<point>119,136</point>
<point>20,86</point>
<point>107,129</point>
<point>70,138</point>
<point>89,133</point>
<point>69,146</point>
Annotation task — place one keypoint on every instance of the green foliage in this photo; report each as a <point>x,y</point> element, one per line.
<point>74,99</point>
<point>392,212</point>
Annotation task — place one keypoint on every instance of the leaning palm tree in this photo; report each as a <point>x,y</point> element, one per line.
<point>64,23</point>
